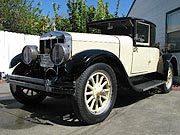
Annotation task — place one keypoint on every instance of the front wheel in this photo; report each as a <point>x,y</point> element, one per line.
<point>26,96</point>
<point>23,95</point>
<point>96,91</point>
<point>165,88</point>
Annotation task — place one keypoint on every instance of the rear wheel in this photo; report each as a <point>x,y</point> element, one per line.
<point>96,91</point>
<point>165,88</point>
<point>24,95</point>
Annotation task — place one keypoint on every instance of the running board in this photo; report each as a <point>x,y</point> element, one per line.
<point>149,85</point>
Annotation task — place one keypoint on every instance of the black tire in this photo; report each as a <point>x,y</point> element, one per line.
<point>167,87</point>
<point>95,93</point>
<point>25,96</point>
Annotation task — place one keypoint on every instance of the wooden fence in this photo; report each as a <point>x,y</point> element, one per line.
<point>12,44</point>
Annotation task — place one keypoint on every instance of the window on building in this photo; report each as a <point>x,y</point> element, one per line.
<point>173,31</point>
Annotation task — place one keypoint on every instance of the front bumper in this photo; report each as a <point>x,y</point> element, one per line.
<point>49,86</point>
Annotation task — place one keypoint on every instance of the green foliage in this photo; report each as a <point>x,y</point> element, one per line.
<point>100,15</point>
<point>21,16</point>
<point>77,11</point>
<point>91,13</point>
<point>25,17</point>
<point>80,14</point>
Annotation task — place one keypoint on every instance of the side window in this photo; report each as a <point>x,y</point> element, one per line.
<point>142,34</point>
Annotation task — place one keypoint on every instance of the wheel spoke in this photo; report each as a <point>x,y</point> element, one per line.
<point>100,101</point>
<point>104,97</point>
<point>31,92</point>
<point>96,105</point>
<point>90,99</point>
<point>90,87</point>
<point>92,80</point>
<point>97,78</point>
<point>101,79</point>
<point>106,90</point>
<point>89,93</point>
<point>92,104</point>
<point>27,92</point>
<point>104,84</point>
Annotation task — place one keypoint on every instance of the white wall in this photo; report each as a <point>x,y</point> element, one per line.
<point>155,11</point>
<point>12,44</point>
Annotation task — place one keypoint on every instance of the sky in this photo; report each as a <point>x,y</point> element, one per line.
<point>47,6</point>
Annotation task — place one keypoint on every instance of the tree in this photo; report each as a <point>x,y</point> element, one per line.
<point>77,10</point>
<point>73,14</point>
<point>91,13</point>
<point>82,11</point>
<point>117,8</point>
<point>107,13</point>
<point>56,21</point>
<point>80,14</point>
<point>22,16</point>
<point>100,15</point>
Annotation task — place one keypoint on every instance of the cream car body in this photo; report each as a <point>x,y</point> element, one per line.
<point>142,61</point>
<point>120,56</point>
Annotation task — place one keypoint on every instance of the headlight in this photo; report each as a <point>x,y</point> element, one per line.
<point>29,54</point>
<point>60,53</point>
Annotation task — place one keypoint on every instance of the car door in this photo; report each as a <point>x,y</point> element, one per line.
<point>141,51</point>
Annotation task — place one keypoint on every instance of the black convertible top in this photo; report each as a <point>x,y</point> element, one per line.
<point>125,21</point>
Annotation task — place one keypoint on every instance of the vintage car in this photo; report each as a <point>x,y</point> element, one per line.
<point>115,56</point>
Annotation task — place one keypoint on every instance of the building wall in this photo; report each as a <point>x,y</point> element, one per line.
<point>12,44</point>
<point>155,11</point>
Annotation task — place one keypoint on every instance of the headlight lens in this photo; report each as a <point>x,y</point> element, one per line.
<point>29,54</point>
<point>60,53</point>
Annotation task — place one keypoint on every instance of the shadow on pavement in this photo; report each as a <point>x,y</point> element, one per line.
<point>59,111</point>
<point>132,98</point>
<point>54,111</point>
<point>51,111</point>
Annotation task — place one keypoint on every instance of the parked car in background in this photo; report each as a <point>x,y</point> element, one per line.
<point>117,55</point>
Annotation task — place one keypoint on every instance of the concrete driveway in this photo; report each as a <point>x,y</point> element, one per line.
<point>137,114</point>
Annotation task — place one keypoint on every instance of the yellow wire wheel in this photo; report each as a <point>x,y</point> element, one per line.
<point>165,88</point>
<point>95,93</point>
<point>98,92</point>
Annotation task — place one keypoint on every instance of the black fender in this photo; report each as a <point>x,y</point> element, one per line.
<point>167,59</point>
<point>15,60</point>
<point>81,61</point>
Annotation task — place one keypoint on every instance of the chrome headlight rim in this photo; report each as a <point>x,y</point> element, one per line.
<point>63,51</point>
<point>29,54</point>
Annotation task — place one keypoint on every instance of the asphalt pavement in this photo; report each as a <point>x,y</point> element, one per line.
<point>135,114</point>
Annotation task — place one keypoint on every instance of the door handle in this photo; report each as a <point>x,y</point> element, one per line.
<point>135,49</point>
